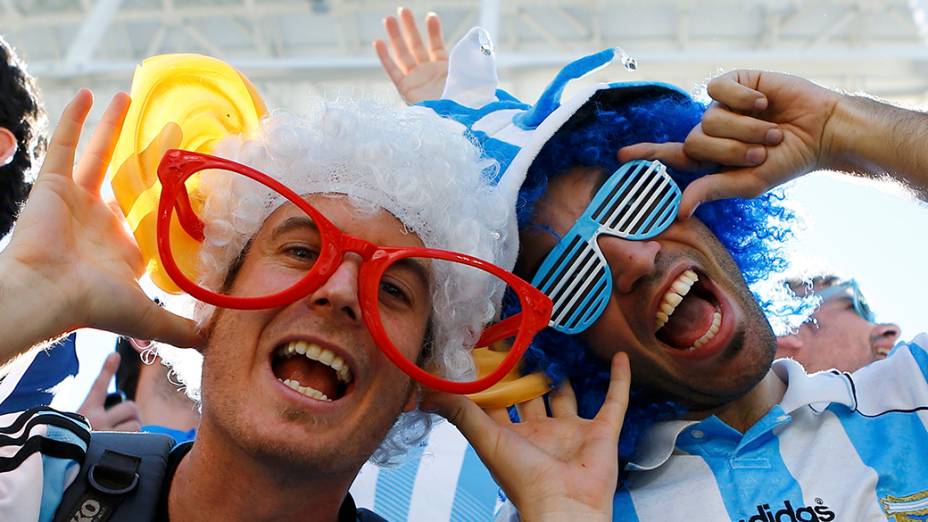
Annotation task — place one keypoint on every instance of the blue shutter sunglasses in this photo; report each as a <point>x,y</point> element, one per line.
<point>638,201</point>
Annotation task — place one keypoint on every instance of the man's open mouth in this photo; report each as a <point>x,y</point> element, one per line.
<point>689,314</point>
<point>312,370</point>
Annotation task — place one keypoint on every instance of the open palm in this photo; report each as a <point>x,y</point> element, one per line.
<point>75,248</point>
<point>558,467</point>
<point>418,71</point>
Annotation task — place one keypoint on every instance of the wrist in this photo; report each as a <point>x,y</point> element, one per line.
<point>32,308</point>
<point>855,136</point>
<point>563,510</point>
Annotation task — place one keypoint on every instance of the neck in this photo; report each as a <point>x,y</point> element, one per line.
<point>238,486</point>
<point>745,411</point>
<point>161,403</point>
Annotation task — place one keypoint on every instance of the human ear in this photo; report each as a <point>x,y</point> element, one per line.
<point>8,146</point>
<point>788,346</point>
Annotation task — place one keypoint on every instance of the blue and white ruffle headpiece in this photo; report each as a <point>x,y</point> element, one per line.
<point>513,132</point>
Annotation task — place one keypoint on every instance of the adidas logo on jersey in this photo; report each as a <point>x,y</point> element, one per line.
<point>818,513</point>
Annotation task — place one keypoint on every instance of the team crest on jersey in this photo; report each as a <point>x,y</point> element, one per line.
<point>911,508</point>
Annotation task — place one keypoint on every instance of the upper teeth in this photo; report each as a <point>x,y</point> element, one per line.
<point>674,296</point>
<point>317,353</point>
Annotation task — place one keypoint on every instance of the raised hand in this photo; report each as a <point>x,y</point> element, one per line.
<point>417,71</point>
<point>71,261</point>
<point>763,128</point>
<point>121,417</point>
<point>561,467</point>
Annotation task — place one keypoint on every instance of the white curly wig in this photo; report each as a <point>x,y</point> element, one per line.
<point>407,161</point>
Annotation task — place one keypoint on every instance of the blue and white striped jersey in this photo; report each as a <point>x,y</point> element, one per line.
<point>40,455</point>
<point>843,447</point>
<point>442,480</point>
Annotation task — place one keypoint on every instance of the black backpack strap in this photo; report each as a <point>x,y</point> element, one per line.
<point>121,479</point>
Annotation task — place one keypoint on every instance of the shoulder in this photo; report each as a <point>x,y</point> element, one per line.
<point>41,450</point>
<point>41,430</point>
<point>897,383</point>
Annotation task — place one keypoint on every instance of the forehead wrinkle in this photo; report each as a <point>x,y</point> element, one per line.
<point>293,223</point>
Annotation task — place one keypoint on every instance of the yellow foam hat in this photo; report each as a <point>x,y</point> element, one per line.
<point>202,100</point>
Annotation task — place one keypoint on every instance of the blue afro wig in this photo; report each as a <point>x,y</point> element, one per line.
<point>753,231</point>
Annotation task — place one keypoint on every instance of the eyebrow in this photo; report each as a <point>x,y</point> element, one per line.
<point>293,223</point>
<point>415,266</point>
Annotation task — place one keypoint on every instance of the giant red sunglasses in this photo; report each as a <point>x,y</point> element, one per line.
<point>387,281</point>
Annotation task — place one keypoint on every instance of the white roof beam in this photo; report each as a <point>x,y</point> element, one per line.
<point>489,17</point>
<point>91,32</point>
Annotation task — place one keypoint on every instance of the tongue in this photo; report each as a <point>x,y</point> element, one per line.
<point>309,373</point>
<point>689,322</point>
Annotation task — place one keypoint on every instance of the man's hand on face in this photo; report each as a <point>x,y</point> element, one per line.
<point>71,261</point>
<point>763,128</point>
<point>561,467</point>
<point>417,72</point>
<point>120,417</point>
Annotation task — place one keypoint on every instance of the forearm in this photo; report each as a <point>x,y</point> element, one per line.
<point>30,310</point>
<point>870,138</point>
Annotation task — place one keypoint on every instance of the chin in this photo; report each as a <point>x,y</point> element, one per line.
<point>746,362</point>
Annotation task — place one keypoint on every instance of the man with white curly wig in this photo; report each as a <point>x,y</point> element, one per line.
<point>399,177</point>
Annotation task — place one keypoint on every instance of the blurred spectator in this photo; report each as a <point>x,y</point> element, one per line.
<point>22,134</point>
<point>842,333</point>
<point>147,399</point>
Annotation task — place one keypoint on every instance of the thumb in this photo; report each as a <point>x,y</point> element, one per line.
<point>739,183</point>
<point>157,324</point>
<point>97,394</point>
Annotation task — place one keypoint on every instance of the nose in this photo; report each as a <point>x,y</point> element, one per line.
<point>884,335</point>
<point>339,293</point>
<point>629,261</point>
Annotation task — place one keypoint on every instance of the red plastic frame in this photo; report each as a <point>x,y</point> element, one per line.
<point>178,165</point>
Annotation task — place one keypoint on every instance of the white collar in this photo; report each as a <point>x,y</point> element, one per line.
<point>817,391</point>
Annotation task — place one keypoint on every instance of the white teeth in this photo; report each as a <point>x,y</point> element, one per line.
<point>710,333</point>
<point>306,390</point>
<point>674,296</point>
<point>315,352</point>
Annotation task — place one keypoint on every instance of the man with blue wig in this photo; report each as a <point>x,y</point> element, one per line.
<point>658,262</point>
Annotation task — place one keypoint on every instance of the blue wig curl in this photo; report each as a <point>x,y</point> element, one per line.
<point>753,231</point>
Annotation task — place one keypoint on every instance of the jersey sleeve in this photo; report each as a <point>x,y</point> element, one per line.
<point>41,451</point>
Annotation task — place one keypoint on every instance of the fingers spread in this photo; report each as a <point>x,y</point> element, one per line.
<point>733,90</point>
<point>401,52</point>
<point>412,35</point>
<point>96,158</point>
<point>389,65</point>
<point>670,154</point>
<point>531,410</point>
<point>500,416</point>
<point>436,39</point>
<point>721,123</point>
<point>613,409</point>
<point>59,158</point>
<point>563,401</point>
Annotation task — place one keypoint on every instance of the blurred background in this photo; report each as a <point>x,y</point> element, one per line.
<point>298,49</point>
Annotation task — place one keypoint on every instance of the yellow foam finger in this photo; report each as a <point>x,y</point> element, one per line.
<point>511,389</point>
<point>184,101</point>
